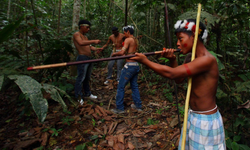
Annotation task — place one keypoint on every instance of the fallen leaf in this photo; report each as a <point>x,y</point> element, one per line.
<point>119,146</point>
<point>120,138</point>
<point>137,133</point>
<point>130,146</point>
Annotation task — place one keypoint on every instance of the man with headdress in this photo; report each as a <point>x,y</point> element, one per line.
<point>205,128</point>
<point>84,48</point>
<point>116,38</point>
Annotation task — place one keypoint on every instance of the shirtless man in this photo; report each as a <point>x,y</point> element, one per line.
<point>84,47</point>
<point>129,72</point>
<point>205,128</point>
<point>116,38</point>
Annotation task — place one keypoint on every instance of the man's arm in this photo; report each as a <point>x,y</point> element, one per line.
<point>108,42</point>
<point>199,65</point>
<point>83,42</point>
<point>124,48</point>
<point>96,49</point>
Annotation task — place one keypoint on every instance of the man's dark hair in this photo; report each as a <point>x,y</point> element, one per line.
<point>114,29</point>
<point>202,28</point>
<point>83,22</point>
<point>129,28</point>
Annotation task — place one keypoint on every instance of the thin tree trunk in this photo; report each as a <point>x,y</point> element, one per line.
<point>59,16</point>
<point>76,14</point>
<point>84,9</point>
<point>76,18</point>
<point>26,36</point>
<point>126,12</point>
<point>167,26</point>
<point>37,36</point>
<point>8,12</point>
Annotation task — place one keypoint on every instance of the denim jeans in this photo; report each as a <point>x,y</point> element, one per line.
<point>83,77</point>
<point>129,73</point>
<point>119,64</point>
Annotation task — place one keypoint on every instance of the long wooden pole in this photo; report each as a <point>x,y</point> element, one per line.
<point>183,142</point>
<point>91,61</point>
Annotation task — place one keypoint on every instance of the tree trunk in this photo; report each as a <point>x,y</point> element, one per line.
<point>76,14</point>
<point>8,12</point>
<point>37,36</point>
<point>126,12</point>
<point>84,9</point>
<point>76,18</point>
<point>59,16</point>
<point>167,26</point>
<point>26,35</point>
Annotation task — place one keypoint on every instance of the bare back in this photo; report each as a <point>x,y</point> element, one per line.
<point>82,50</point>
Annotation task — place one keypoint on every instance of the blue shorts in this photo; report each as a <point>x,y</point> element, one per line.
<point>204,132</point>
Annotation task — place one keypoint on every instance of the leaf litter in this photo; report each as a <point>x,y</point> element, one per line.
<point>93,124</point>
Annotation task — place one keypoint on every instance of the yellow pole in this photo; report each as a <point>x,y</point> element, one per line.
<point>183,142</point>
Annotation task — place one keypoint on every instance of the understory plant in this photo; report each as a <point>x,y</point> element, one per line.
<point>36,92</point>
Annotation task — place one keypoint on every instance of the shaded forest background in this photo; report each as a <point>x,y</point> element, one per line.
<point>37,32</point>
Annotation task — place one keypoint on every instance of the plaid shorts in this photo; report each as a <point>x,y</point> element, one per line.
<point>204,132</point>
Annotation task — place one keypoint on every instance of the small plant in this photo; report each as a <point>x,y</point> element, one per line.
<point>159,111</point>
<point>150,121</point>
<point>95,138</point>
<point>93,122</point>
<point>67,120</point>
<point>181,109</point>
<point>55,131</point>
<point>152,92</point>
<point>81,147</point>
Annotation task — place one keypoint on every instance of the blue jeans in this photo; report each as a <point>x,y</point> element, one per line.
<point>129,73</point>
<point>119,64</point>
<point>83,77</point>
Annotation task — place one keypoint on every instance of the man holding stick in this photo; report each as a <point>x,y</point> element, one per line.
<point>84,47</point>
<point>129,72</point>
<point>116,38</point>
<point>205,128</point>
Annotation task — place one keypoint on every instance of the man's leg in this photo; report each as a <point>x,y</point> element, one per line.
<point>87,75</point>
<point>135,89</point>
<point>110,68</point>
<point>120,89</point>
<point>80,78</point>
<point>120,63</point>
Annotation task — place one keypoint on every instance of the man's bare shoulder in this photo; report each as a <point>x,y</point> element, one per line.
<point>206,61</point>
<point>76,33</point>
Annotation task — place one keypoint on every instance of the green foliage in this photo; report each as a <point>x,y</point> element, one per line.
<point>151,121</point>
<point>93,122</point>
<point>55,131</point>
<point>67,120</point>
<point>32,90</point>
<point>235,137</point>
<point>81,147</point>
<point>8,30</point>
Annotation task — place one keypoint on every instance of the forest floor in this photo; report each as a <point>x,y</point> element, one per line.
<point>92,125</point>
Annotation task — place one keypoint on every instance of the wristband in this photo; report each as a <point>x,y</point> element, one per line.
<point>123,48</point>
